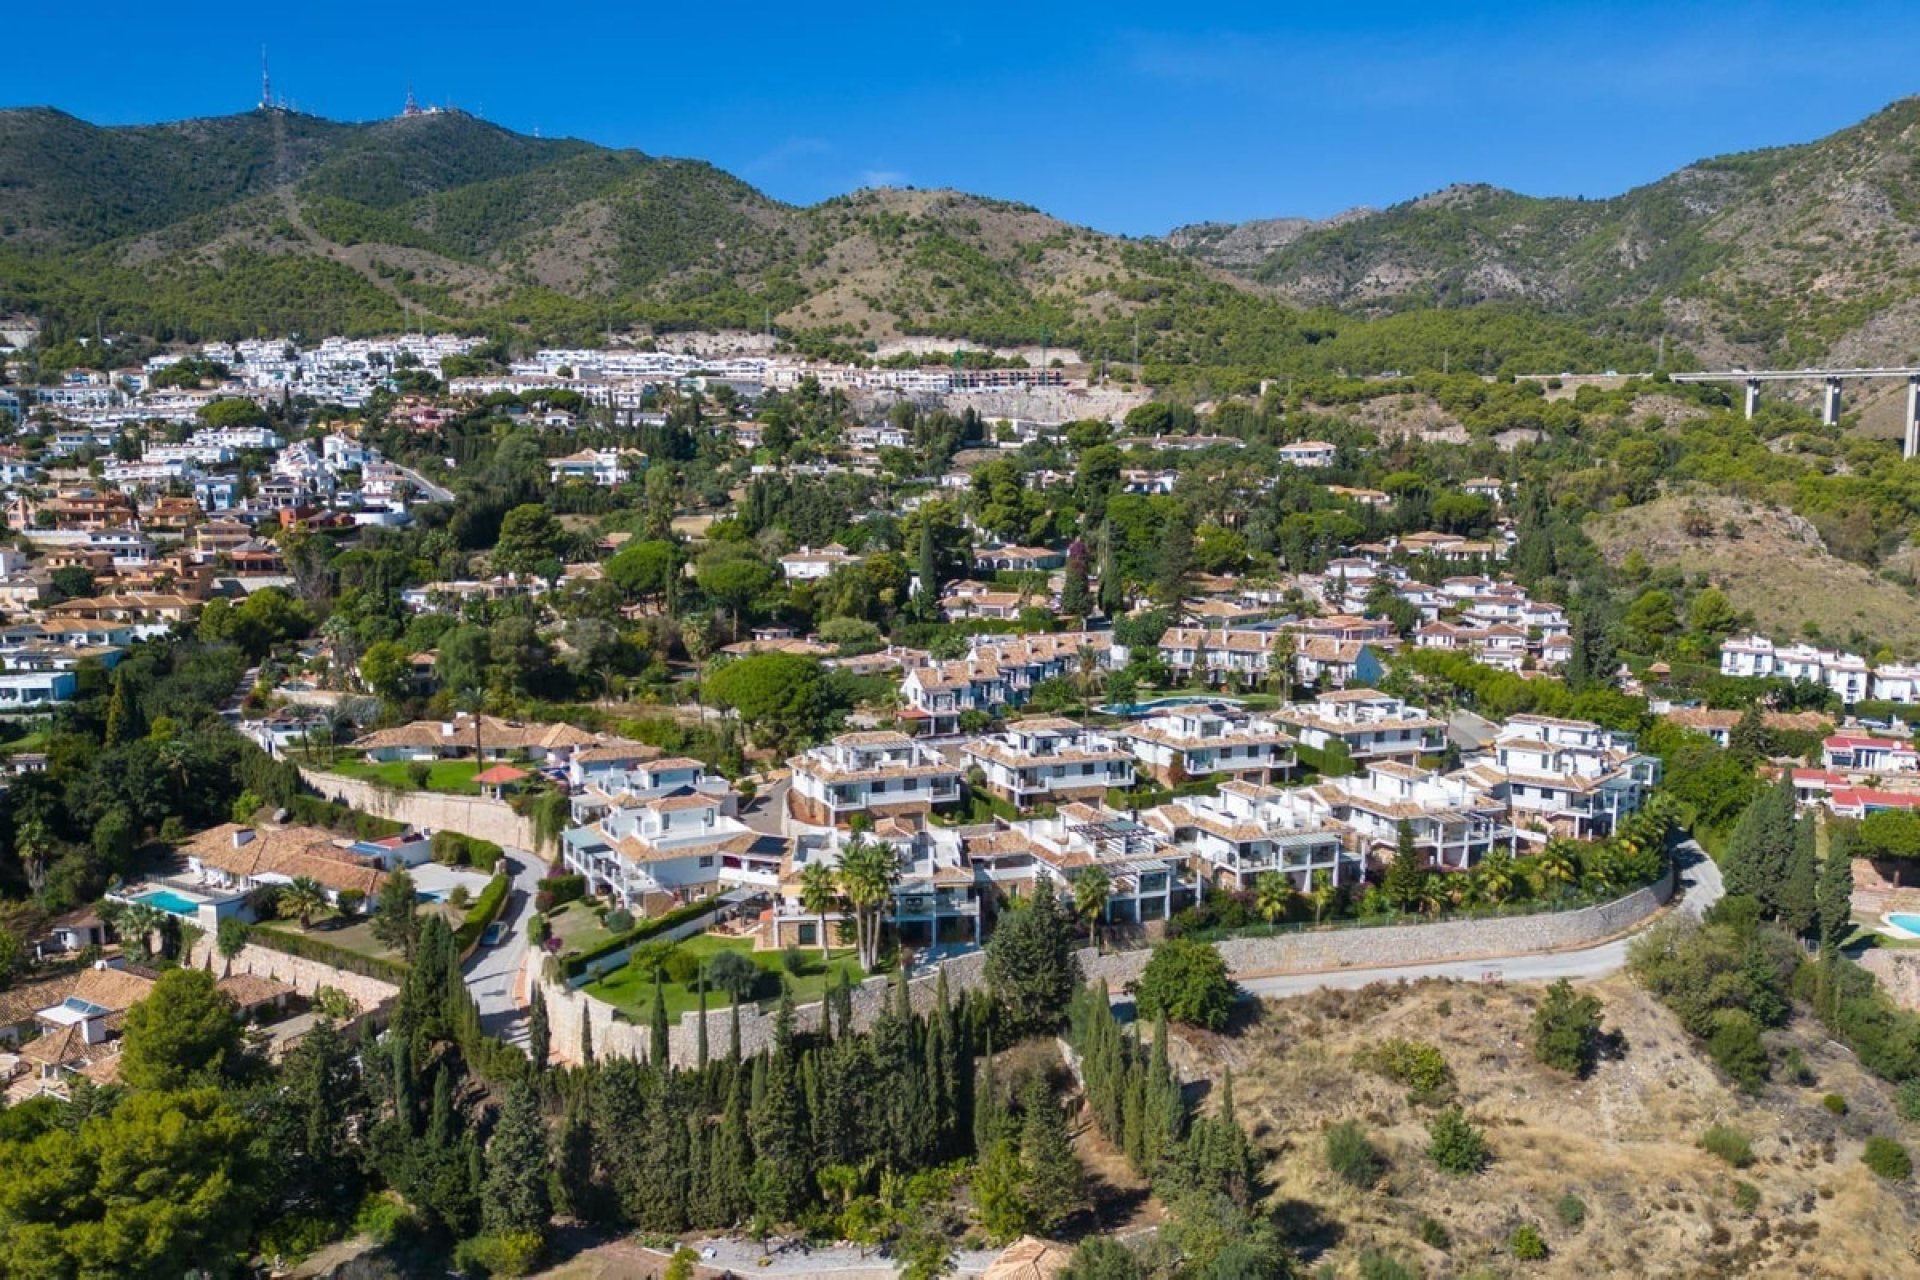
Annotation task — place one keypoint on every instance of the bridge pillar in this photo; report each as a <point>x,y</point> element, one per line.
<point>1910,445</point>
<point>1753,395</point>
<point>1830,403</point>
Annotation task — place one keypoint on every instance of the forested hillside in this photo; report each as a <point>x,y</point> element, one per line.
<point>1791,254</point>
<point>273,222</point>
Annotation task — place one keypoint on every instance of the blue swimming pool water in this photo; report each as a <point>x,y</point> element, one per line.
<point>1905,920</point>
<point>168,900</point>
<point>1162,704</point>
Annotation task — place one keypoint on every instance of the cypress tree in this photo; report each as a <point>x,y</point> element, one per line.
<point>657,1026</point>
<point>1076,596</point>
<point>539,1036</point>
<point>405,1108</point>
<point>732,1156</point>
<point>1173,570</point>
<point>1053,1171</point>
<point>986,1105</point>
<point>1834,892</point>
<point>700,1210</point>
<point>586,1037</point>
<point>733,1043</point>
<point>1761,847</point>
<point>517,1196</point>
<point>659,1200</point>
<point>700,1045</point>
<point>1406,878</point>
<point>1797,898</point>
<point>1113,588</point>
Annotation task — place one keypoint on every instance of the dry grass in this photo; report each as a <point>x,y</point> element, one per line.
<point>1777,569</point>
<point>1622,1141</point>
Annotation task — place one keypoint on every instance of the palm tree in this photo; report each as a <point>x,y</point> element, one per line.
<point>1494,879</point>
<point>1087,674</point>
<point>1554,865</point>
<point>34,844</point>
<point>303,897</point>
<point>1434,897</point>
<point>1597,870</point>
<point>142,920</point>
<point>1271,893</point>
<point>819,894</point>
<point>1324,892</point>
<point>1092,890</point>
<point>868,871</point>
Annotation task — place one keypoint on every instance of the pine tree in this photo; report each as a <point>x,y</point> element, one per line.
<point>517,1197</point>
<point>1173,570</point>
<point>1834,892</point>
<point>1748,739</point>
<point>1797,897</point>
<point>539,1036</point>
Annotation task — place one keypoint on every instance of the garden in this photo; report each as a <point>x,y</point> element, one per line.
<point>733,969</point>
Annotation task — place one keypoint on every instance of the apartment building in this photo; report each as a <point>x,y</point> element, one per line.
<point>999,673</point>
<point>936,898</point>
<point>1453,822</point>
<point>1371,726</point>
<point>1049,761</point>
<point>1148,879</point>
<point>1181,744</point>
<point>1249,830</point>
<point>657,853</point>
<point>1568,778</point>
<point>881,774</point>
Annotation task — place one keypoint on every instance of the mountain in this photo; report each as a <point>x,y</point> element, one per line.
<point>275,222</point>
<point>1791,254</point>
<point>1245,246</point>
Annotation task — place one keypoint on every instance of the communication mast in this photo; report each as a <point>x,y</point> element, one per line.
<point>266,82</point>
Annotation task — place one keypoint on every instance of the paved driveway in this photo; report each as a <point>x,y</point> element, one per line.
<point>493,973</point>
<point>1700,888</point>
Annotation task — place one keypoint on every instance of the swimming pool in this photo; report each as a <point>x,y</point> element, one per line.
<point>1152,705</point>
<point>168,900</point>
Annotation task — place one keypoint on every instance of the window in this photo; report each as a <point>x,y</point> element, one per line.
<point>706,860</point>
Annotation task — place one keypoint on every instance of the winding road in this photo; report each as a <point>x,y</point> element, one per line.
<point>1699,889</point>
<point>493,973</point>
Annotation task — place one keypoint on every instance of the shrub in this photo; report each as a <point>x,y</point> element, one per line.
<point>350,901</point>
<point>1887,1158</point>
<point>1572,1212</point>
<point>1835,1103</point>
<point>451,848</point>
<point>539,930</point>
<point>501,1253</point>
<point>618,920</point>
<point>555,890</point>
<point>1414,1063</point>
<point>733,973</point>
<point>1736,1049</point>
<point>1455,1144</point>
<point>1434,1234</point>
<point>1909,1100</point>
<point>1186,982</point>
<point>1528,1246</point>
<point>681,967</point>
<point>419,772</point>
<point>680,1266</point>
<point>1729,1144</point>
<point>385,1219</point>
<point>1375,1265</point>
<point>1351,1157</point>
<point>1746,1197</point>
<point>1566,1030</point>
<point>458,897</point>
<point>1797,1069</point>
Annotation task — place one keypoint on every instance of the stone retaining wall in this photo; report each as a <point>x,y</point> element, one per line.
<point>303,975</point>
<point>1245,957</point>
<point>469,815</point>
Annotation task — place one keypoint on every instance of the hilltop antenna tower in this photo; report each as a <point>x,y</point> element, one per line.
<point>266,82</point>
<point>412,108</point>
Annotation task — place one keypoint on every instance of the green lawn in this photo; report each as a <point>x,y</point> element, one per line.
<point>631,991</point>
<point>355,933</point>
<point>454,777</point>
<point>578,927</point>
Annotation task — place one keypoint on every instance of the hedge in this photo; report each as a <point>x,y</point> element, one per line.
<point>482,913</point>
<point>559,890</point>
<point>307,947</point>
<point>468,851</point>
<point>315,812</point>
<point>574,965</point>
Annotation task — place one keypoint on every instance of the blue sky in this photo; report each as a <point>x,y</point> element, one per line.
<point>1128,117</point>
